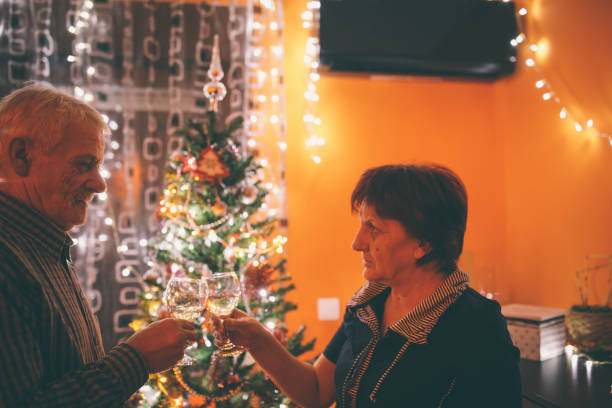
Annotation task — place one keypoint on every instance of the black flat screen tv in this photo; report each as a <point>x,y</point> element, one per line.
<point>448,38</point>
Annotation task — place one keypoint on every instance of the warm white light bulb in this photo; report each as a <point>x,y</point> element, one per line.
<point>563,113</point>
<point>529,62</point>
<point>539,83</point>
<point>546,96</point>
<point>523,11</point>
<point>578,127</point>
<point>589,123</point>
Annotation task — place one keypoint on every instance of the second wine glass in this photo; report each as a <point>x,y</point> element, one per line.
<point>186,299</point>
<point>223,296</point>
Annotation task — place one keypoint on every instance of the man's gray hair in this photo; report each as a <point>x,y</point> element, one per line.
<point>42,114</point>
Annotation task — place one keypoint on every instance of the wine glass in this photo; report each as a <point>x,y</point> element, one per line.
<point>223,296</point>
<point>186,299</point>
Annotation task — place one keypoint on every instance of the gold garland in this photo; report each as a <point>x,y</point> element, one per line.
<point>179,376</point>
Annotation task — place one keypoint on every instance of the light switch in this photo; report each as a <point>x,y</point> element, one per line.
<point>328,308</point>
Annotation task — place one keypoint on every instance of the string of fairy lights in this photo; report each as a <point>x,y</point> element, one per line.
<point>314,142</point>
<point>542,84</point>
<point>312,122</point>
<point>265,113</point>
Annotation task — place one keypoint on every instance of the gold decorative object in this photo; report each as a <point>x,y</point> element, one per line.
<point>215,90</point>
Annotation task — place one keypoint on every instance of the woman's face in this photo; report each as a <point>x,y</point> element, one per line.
<point>388,251</point>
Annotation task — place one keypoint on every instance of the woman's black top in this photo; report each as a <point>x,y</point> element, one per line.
<point>461,357</point>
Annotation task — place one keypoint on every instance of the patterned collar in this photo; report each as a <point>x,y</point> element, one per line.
<point>18,219</point>
<point>418,323</point>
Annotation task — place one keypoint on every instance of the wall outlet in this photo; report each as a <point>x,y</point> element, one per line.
<point>328,308</point>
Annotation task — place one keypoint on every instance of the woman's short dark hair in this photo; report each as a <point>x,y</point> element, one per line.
<point>429,200</point>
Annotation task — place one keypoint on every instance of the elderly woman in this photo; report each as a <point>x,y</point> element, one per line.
<point>415,334</point>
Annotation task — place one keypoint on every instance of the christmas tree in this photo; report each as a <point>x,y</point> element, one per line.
<point>212,221</point>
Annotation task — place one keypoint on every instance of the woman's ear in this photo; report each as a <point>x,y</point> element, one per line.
<point>20,156</point>
<point>423,249</point>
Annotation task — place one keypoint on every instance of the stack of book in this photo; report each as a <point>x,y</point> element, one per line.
<point>539,332</point>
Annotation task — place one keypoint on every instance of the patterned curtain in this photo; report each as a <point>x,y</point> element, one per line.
<point>142,65</point>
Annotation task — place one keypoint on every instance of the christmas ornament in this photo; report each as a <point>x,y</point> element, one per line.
<point>257,278</point>
<point>189,163</point>
<point>214,90</point>
<point>150,276</point>
<point>249,194</point>
<point>196,400</point>
<point>219,208</point>
<point>209,166</point>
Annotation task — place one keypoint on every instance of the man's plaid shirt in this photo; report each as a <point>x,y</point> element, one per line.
<point>51,352</point>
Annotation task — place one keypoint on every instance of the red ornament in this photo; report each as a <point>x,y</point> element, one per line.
<point>257,278</point>
<point>189,164</point>
<point>210,166</point>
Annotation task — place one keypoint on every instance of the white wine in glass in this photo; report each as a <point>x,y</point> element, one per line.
<point>223,296</point>
<point>186,299</point>
<point>223,305</point>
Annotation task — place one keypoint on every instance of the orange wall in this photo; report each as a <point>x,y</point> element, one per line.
<point>539,195</point>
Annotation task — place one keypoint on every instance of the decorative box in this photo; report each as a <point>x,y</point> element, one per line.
<point>539,332</point>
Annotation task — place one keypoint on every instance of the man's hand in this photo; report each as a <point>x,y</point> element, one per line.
<point>162,343</point>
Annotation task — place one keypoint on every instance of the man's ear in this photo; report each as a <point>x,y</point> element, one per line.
<point>20,156</point>
<point>423,249</point>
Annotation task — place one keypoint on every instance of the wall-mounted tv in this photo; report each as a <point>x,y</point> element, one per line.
<point>454,38</point>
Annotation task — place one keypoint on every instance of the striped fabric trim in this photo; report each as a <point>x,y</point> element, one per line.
<point>415,326</point>
<point>382,378</point>
<point>451,387</point>
<point>361,363</point>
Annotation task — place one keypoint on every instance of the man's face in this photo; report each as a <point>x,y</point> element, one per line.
<point>63,181</point>
<point>389,253</point>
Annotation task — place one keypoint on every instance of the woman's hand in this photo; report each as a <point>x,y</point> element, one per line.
<point>240,328</point>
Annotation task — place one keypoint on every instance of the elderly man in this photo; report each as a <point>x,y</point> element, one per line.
<point>51,355</point>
